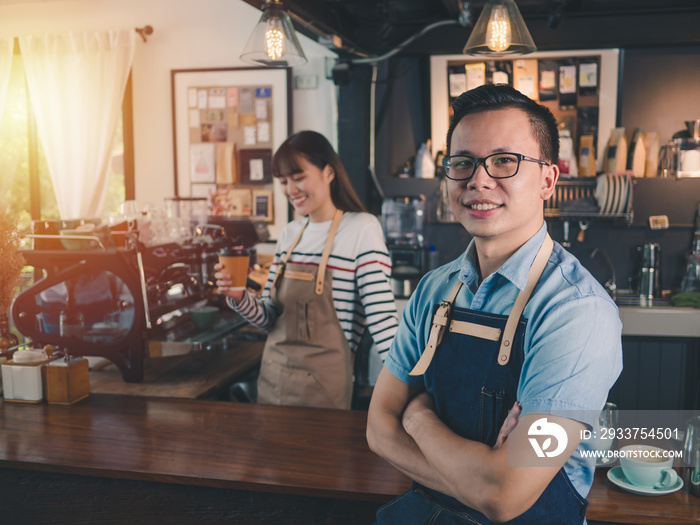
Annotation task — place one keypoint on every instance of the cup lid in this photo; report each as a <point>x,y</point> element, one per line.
<point>29,356</point>
<point>232,251</point>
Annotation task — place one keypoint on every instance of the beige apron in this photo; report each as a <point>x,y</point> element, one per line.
<point>307,360</point>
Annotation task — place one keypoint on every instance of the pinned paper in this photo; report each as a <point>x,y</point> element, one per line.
<point>528,87</point>
<point>256,170</point>
<point>458,84</point>
<point>261,109</point>
<point>193,118</point>
<point>239,202</point>
<point>202,99</point>
<point>232,97</point>
<point>263,132</point>
<point>588,74</point>
<point>192,97</point>
<point>548,80</point>
<point>248,119</point>
<point>567,79</point>
<point>245,100</point>
<point>215,115</point>
<point>202,162</point>
<point>525,77</point>
<point>500,77</point>
<point>217,101</point>
<point>476,75</point>
<point>249,135</point>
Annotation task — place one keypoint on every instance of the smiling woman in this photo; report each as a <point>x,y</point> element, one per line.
<point>328,285</point>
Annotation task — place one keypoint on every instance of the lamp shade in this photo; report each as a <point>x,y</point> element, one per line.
<point>274,42</point>
<point>500,31</point>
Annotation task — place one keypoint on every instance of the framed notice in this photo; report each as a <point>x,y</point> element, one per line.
<point>262,205</point>
<point>227,123</point>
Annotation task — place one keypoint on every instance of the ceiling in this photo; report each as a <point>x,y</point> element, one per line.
<point>376,27</point>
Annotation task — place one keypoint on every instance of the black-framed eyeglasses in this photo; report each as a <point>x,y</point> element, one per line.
<point>497,165</point>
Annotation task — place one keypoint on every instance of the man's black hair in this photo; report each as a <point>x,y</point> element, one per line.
<point>491,97</point>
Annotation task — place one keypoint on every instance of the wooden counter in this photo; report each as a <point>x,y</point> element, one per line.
<point>197,375</point>
<point>222,457</point>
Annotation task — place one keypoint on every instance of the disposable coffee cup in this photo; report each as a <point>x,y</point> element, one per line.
<point>235,261</point>
<point>648,467</point>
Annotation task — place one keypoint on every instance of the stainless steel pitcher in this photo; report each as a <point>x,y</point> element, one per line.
<point>649,271</point>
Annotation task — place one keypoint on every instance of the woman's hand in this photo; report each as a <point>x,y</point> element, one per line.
<point>223,285</point>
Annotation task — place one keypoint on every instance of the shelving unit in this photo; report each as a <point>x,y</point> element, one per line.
<point>574,189</point>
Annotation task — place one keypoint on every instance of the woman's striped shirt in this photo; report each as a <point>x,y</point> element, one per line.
<point>361,269</point>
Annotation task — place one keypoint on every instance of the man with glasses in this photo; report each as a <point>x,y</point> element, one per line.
<point>517,322</point>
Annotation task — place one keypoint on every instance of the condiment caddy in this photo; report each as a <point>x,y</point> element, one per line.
<point>33,375</point>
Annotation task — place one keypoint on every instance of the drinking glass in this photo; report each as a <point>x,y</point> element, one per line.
<point>690,462</point>
<point>606,419</point>
<point>130,209</point>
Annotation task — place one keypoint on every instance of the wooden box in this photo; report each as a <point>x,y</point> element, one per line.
<point>67,381</point>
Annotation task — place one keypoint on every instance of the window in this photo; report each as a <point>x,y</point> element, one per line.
<point>26,189</point>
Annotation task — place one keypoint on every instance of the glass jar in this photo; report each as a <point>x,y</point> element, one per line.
<point>71,324</point>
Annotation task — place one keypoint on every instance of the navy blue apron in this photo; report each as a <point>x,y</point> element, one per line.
<point>482,387</point>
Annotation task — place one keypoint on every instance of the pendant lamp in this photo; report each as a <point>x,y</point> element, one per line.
<point>500,31</point>
<point>274,42</point>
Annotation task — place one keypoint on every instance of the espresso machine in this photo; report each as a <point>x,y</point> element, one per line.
<point>127,302</point>
<point>402,221</point>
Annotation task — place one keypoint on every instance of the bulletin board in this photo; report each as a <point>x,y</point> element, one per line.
<point>579,87</point>
<point>227,123</point>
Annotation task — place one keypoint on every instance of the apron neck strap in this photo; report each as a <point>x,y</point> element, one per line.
<point>321,275</point>
<point>294,244</point>
<point>442,315</point>
<point>437,330</point>
<point>533,277</point>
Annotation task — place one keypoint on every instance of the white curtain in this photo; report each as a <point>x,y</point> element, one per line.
<point>76,85</point>
<point>6,48</point>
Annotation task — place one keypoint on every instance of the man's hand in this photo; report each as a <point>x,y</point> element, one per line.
<point>508,425</point>
<point>419,404</point>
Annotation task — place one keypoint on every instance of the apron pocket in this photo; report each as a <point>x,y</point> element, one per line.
<point>302,326</point>
<point>493,412</point>
<point>285,385</point>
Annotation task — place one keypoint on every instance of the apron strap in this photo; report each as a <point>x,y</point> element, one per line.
<point>437,330</point>
<point>321,275</point>
<point>281,266</point>
<point>441,317</point>
<point>533,277</point>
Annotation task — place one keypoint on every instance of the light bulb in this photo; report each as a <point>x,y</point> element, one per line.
<point>274,40</point>
<point>498,32</point>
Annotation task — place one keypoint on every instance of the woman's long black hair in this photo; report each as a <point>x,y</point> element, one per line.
<point>316,149</point>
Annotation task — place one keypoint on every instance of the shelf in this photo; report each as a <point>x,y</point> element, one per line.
<point>553,213</point>
<point>578,189</point>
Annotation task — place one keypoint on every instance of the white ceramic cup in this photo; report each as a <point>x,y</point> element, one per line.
<point>647,467</point>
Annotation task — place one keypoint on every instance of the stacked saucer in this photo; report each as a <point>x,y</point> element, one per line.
<point>613,193</point>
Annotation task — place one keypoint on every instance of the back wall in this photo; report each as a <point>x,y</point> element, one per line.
<point>187,34</point>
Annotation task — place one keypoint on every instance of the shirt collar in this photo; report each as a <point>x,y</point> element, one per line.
<point>515,269</point>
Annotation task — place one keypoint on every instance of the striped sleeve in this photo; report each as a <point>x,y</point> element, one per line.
<point>258,312</point>
<point>372,274</point>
